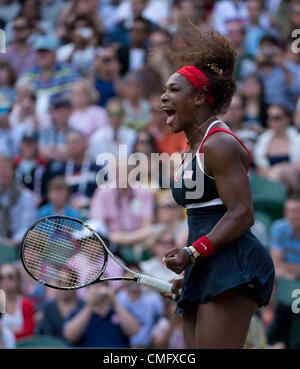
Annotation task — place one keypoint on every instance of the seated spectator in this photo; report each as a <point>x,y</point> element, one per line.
<point>18,209</point>
<point>48,77</point>
<point>253,100</point>
<point>167,333</point>
<point>125,208</point>
<point>285,240</point>
<point>102,322</point>
<point>108,139</point>
<point>79,171</point>
<point>277,151</point>
<point>80,52</point>
<point>164,139</point>
<point>56,310</point>
<point>7,338</point>
<point>29,166</point>
<point>280,86</point>
<point>133,56</point>
<point>155,266</point>
<point>19,52</point>
<point>84,9</point>
<point>9,10</point>
<point>284,249</point>
<point>19,316</point>
<point>52,140</point>
<point>106,74</point>
<point>137,108</point>
<point>7,93</point>
<point>59,197</point>
<point>86,116</point>
<point>51,9</point>
<point>7,147</point>
<point>145,305</point>
<point>245,63</point>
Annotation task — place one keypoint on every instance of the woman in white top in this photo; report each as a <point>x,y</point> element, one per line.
<point>277,151</point>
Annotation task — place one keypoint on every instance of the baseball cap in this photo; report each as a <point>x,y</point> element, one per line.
<point>45,42</point>
<point>30,136</point>
<point>58,101</point>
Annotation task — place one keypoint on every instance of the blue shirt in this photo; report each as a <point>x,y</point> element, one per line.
<point>101,332</point>
<point>68,211</point>
<point>106,90</point>
<point>282,238</point>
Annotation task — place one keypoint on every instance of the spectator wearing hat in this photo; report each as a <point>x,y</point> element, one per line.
<point>18,209</point>
<point>29,167</point>
<point>48,76</point>
<point>19,53</point>
<point>52,140</point>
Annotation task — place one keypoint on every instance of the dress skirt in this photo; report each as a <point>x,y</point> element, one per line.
<point>244,265</point>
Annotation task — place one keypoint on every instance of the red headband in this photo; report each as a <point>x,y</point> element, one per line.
<point>197,78</point>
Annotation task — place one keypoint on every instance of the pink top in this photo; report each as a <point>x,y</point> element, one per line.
<point>122,211</point>
<point>89,120</point>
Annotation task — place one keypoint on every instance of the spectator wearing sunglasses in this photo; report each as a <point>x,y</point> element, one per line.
<point>106,74</point>
<point>19,53</point>
<point>277,151</point>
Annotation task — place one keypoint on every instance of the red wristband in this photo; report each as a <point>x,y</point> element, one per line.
<point>204,246</point>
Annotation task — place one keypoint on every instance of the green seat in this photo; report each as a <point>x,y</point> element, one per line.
<point>42,341</point>
<point>284,291</point>
<point>7,254</point>
<point>268,196</point>
<point>264,218</point>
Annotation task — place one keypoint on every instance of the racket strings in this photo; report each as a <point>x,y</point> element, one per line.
<point>63,253</point>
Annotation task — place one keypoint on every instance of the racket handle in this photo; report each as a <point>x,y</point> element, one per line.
<point>154,283</point>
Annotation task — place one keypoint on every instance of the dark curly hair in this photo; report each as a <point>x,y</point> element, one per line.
<point>200,47</point>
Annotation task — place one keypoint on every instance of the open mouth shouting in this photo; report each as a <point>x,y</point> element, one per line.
<point>170,113</point>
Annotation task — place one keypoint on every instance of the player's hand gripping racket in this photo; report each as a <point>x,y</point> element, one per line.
<point>65,253</point>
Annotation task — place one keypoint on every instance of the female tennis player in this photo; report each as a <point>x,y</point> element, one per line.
<point>228,274</point>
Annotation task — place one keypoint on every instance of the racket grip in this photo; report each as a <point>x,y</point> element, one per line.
<point>154,283</point>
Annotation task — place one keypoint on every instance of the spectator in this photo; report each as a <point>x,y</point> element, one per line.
<point>285,246</point>
<point>155,266</point>
<point>108,139</point>
<point>277,76</point>
<point>86,116</point>
<point>277,151</point>
<point>51,9</point>
<point>85,9</point>
<point>288,17</point>
<point>6,137</point>
<point>133,56</point>
<point>19,316</point>
<point>106,74</point>
<point>48,76</point>
<point>80,52</point>
<point>17,206</point>
<point>7,338</point>
<point>56,310</point>
<point>137,108</point>
<point>167,333</point>
<point>79,171</point>
<point>52,140</point>
<point>7,80</point>
<point>9,10</point>
<point>102,322</point>
<point>58,196</point>
<point>164,139</point>
<point>19,53</point>
<point>146,306</point>
<point>254,31</point>
<point>245,63</point>
<point>120,33</point>
<point>29,167</point>
<point>252,92</point>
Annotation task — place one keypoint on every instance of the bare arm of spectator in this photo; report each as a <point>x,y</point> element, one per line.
<point>284,269</point>
<point>74,329</point>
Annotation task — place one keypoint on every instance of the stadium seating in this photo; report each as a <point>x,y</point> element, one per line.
<point>42,341</point>
<point>268,196</point>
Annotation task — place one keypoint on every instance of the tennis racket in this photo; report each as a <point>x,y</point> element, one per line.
<point>65,253</point>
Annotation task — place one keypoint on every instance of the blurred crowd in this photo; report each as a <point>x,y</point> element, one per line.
<point>81,78</point>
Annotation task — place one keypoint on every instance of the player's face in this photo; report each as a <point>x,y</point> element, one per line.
<point>178,101</point>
